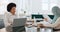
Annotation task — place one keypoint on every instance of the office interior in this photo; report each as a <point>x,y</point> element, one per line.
<point>31,10</point>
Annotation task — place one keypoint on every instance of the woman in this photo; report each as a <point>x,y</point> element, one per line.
<point>56,23</point>
<point>9,16</point>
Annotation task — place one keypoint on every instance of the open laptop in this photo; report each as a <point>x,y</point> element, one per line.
<point>19,22</point>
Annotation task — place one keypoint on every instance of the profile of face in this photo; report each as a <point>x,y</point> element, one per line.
<point>13,10</point>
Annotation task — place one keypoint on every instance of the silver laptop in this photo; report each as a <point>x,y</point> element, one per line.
<point>19,22</point>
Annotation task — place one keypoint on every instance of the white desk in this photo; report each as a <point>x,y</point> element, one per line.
<point>31,29</point>
<point>34,29</point>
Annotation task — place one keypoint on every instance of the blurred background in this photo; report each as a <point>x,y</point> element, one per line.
<point>29,7</point>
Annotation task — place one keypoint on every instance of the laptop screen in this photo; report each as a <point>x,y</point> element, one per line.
<point>19,22</point>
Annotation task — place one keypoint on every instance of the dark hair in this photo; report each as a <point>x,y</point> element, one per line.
<point>10,5</point>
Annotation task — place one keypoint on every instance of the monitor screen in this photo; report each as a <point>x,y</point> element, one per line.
<point>37,16</point>
<point>51,16</point>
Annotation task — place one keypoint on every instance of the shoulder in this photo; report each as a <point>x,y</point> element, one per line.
<point>59,18</point>
<point>6,14</point>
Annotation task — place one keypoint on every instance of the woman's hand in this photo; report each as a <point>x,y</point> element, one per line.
<point>40,26</point>
<point>45,19</point>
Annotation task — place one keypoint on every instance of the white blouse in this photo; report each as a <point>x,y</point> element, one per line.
<point>8,19</point>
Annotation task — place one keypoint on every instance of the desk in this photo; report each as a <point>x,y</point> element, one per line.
<point>32,28</point>
<point>35,29</point>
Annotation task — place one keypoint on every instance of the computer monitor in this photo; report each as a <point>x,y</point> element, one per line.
<point>51,16</point>
<point>37,16</point>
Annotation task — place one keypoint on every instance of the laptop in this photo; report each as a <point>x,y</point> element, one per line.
<point>19,22</point>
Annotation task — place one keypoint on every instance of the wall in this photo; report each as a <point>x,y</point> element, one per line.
<point>34,6</point>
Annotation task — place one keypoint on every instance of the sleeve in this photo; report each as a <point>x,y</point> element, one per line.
<point>54,24</point>
<point>48,18</point>
<point>6,20</point>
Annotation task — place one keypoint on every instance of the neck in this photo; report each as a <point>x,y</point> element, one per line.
<point>12,13</point>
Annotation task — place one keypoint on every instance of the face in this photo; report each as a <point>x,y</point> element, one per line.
<point>13,10</point>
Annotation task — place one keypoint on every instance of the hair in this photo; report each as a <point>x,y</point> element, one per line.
<point>56,10</point>
<point>10,6</point>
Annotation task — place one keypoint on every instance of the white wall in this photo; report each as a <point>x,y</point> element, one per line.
<point>3,5</point>
<point>30,6</point>
<point>34,6</point>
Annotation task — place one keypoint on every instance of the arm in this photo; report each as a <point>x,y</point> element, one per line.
<point>54,24</point>
<point>6,20</point>
<point>48,18</point>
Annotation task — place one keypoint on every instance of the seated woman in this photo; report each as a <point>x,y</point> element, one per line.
<point>9,16</point>
<point>56,20</point>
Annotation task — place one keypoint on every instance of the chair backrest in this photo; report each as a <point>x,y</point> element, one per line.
<point>1,23</point>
